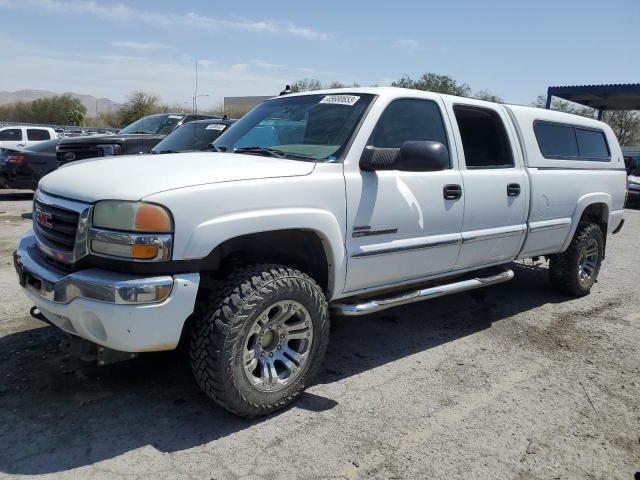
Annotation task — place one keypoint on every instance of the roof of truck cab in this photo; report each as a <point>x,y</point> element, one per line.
<point>382,91</point>
<point>533,112</point>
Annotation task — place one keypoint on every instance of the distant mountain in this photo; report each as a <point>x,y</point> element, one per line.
<point>89,101</point>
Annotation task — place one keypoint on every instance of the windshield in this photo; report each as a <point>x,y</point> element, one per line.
<point>316,127</point>
<point>191,136</point>
<point>153,124</point>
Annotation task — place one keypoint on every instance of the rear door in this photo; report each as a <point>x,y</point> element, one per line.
<point>495,185</point>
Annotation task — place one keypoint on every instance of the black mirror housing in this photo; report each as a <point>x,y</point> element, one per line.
<point>413,156</point>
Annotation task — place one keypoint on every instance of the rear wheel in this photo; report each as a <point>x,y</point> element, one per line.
<point>258,344</point>
<point>576,270</point>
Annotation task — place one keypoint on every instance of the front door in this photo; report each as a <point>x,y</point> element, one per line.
<point>12,138</point>
<point>400,226</point>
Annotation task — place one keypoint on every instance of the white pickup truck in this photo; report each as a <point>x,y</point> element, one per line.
<point>350,201</point>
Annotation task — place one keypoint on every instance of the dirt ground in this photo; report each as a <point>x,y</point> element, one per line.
<point>513,381</point>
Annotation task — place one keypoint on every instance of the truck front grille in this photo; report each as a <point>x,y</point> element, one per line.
<point>56,225</point>
<point>76,151</point>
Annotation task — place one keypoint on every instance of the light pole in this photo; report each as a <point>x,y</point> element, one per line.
<point>195,101</point>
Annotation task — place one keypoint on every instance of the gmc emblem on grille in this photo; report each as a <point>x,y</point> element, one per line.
<point>44,218</point>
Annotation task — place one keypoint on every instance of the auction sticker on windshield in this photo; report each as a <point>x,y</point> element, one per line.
<point>175,116</point>
<point>215,126</point>
<point>340,99</point>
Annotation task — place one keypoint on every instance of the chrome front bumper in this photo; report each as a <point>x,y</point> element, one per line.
<point>58,286</point>
<point>129,313</point>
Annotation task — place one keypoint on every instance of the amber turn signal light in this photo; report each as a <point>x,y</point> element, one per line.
<point>152,218</point>
<point>144,251</point>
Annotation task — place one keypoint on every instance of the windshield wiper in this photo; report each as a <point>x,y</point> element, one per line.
<point>211,146</point>
<point>141,131</point>
<point>272,152</point>
<point>165,151</point>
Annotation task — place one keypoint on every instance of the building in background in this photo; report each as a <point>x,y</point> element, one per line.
<point>241,105</point>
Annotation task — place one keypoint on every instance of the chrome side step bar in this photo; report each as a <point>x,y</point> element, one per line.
<point>372,306</point>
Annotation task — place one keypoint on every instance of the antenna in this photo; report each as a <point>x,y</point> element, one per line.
<point>195,92</point>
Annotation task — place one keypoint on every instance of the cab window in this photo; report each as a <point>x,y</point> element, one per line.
<point>484,138</point>
<point>409,119</point>
<point>38,134</point>
<point>11,135</point>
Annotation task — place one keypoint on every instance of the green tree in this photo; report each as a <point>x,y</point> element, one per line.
<point>488,96</point>
<point>625,124</point>
<point>75,116</point>
<point>305,85</point>
<point>139,104</point>
<point>434,82</point>
<point>57,110</point>
<point>51,110</point>
<point>564,106</point>
<point>342,85</point>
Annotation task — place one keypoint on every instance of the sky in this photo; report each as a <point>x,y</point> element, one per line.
<point>254,47</point>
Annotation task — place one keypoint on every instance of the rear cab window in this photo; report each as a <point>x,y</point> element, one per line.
<point>484,138</point>
<point>38,134</point>
<point>560,141</point>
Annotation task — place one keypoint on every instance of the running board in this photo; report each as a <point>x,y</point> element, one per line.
<point>372,306</point>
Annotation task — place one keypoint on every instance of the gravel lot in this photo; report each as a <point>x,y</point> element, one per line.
<point>513,381</point>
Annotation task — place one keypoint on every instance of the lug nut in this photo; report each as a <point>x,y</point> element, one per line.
<point>279,347</point>
<point>271,354</point>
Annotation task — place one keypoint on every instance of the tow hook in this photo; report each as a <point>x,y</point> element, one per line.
<point>37,314</point>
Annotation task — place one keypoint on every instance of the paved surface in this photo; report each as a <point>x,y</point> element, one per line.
<point>513,381</point>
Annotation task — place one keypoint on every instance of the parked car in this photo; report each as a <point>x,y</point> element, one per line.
<point>4,152</point>
<point>24,137</point>
<point>356,200</point>
<point>633,190</point>
<point>23,169</point>
<point>631,159</point>
<point>193,136</point>
<point>139,137</point>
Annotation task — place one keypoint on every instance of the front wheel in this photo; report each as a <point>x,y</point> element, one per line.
<point>576,270</point>
<point>259,343</point>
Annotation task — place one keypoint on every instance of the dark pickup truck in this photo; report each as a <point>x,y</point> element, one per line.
<point>139,137</point>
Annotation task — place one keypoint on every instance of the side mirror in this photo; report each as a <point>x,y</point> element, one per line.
<point>413,156</point>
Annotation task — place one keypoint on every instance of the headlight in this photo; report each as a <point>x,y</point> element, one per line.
<point>132,217</point>
<point>131,230</point>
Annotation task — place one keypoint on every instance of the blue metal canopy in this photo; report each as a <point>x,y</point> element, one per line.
<point>600,97</point>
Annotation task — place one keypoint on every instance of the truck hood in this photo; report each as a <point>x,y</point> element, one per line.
<point>137,176</point>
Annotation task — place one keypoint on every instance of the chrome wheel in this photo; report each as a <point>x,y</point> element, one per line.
<point>278,345</point>
<point>588,260</point>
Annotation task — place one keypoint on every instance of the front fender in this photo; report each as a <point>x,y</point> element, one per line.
<point>211,233</point>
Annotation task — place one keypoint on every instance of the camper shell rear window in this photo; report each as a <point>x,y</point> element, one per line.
<point>563,141</point>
